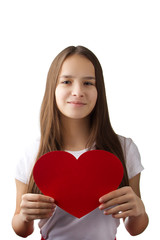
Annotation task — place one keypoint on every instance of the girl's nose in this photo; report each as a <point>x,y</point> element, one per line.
<point>77,91</point>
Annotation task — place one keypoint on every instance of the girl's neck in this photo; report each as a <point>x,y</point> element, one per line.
<point>75,133</point>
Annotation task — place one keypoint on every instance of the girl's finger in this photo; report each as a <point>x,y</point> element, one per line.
<point>37,197</point>
<point>29,218</point>
<point>114,194</point>
<point>28,211</point>
<point>117,209</point>
<point>116,201</point>
<point>122,214</point>
<point>38,205</point>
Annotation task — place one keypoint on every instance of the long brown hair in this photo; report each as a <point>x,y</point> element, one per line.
<point>102,132</point>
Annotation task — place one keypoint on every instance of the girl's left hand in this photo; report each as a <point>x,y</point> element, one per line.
<point>122,203</point>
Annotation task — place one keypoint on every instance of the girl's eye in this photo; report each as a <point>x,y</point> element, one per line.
<point>66,82</point>
<point>88,83</point>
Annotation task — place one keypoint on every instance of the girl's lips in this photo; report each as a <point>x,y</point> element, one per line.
<point>77,103</point>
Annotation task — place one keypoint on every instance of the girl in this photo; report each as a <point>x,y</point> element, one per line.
<point>74,117</point>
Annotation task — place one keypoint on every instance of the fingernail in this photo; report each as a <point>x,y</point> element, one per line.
<point>100,207</point>
<point>100,200</point>
<point>51,199</point>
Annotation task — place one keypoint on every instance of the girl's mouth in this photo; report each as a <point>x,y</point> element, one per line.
<point>77,103</point>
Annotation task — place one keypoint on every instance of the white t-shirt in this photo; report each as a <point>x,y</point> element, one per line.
<point>95,225</point>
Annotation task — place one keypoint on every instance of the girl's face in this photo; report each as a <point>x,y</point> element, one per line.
<point>76,92</point>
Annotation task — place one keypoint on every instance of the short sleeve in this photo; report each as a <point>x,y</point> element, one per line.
<point>132,157</point>
<point>26,162</point>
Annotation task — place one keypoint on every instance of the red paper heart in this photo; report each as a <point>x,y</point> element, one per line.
<point>77,185</point>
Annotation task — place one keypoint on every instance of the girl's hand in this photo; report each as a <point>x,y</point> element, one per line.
<point>123,203</point>
<point>36,206</point>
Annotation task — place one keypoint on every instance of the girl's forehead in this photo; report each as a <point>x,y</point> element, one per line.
<point>77,64</point>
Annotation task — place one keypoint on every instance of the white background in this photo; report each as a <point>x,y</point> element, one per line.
<point>125,36</point>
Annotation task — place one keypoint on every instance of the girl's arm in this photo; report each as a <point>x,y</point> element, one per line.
<point>126,203</point>
<point>28,208</point>
<point>21,228</point>
<point>136,225</point>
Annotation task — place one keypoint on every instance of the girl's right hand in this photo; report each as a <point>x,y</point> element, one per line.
<point>36,206</point>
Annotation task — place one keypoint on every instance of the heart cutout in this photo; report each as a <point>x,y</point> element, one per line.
<point>77,184</point>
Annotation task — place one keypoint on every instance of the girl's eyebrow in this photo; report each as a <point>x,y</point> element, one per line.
<point>85,77</point>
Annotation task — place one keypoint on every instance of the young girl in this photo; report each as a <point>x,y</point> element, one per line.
<point>74,117</point>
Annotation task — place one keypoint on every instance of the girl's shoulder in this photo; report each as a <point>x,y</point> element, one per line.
<point>132,156</point>
<point>127,144</point>
<point>26,161</point>
<point>125,140</point>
